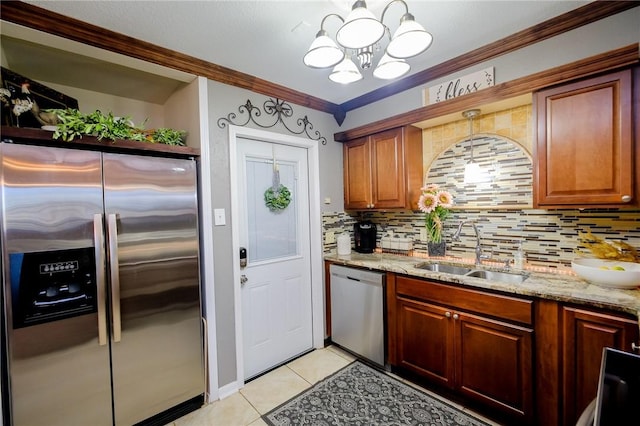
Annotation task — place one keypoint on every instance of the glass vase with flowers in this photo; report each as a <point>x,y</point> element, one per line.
<point>435,203</point>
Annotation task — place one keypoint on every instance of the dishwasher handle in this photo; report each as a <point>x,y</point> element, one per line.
<point>365,277</point>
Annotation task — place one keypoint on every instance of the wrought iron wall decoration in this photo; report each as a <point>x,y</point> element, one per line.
<point>279,110</point>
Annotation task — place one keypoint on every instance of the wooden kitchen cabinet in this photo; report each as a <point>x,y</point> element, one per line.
<point>424,339</point>
<point>384,170</point>
<point>584,151</point>
<point>474,343</point>
<point>584,334</point>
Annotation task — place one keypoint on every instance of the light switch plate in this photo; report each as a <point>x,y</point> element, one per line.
<point>219,217</point>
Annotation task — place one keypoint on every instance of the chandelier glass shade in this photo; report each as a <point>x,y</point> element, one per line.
<point>410,39</point>
<point>361,29</point>
<point>323,51</point>
<point>360,36</point>
<point>345,72</point>
<point>389,68</point>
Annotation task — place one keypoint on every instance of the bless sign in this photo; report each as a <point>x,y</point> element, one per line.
<point>460,86</point>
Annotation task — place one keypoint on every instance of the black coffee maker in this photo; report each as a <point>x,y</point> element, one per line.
<point>365,236</point>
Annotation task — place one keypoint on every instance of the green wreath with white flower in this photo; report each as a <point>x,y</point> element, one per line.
<point>277,200</point>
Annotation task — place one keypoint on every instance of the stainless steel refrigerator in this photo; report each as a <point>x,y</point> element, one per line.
<point>101,287</point>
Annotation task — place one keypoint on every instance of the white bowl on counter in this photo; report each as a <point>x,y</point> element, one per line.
<point>608,273</point>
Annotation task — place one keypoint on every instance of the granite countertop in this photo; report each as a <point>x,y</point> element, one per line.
<point>561,287</point>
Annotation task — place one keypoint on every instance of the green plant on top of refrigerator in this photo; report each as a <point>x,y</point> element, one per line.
<point>73,124</point>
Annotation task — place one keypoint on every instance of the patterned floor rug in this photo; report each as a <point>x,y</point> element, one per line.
<point>361,395</point>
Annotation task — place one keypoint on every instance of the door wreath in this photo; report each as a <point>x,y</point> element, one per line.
<point>278,199</point>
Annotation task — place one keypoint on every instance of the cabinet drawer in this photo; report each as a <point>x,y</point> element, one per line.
<point>495,305</point>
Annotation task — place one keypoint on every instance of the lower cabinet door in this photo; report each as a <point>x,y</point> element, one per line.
<point>425,341</point>
<point>585,334</point>
<point>494,364</point>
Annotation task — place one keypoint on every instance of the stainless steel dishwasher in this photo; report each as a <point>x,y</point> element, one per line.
<point>357,312</point>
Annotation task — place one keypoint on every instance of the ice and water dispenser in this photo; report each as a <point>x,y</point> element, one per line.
<point>51,285</point>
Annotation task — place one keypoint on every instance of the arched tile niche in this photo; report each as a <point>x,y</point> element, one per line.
<point>506,180</point>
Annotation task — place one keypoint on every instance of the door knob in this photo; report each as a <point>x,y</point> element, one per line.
<point>634,347</point>
<point>626,198</point>
<point>243,279</point>
<point>456,316</point>
<point>447,314</point>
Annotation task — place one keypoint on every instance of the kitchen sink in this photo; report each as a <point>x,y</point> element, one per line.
<point>504,277</point>
<point>444,268</point>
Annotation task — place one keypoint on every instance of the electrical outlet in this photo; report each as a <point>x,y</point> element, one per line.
<point>423,234</point>
<point>330,237</point>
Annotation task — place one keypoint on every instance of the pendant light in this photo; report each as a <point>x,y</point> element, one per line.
<point>472,172</point>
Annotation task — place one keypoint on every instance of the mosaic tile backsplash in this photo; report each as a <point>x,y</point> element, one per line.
<point>549,237</point>
<point>505,180</point>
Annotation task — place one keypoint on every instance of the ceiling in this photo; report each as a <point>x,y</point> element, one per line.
<point>267,39</point>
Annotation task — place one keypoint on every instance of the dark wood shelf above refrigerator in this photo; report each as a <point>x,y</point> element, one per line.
<point>45,137</point>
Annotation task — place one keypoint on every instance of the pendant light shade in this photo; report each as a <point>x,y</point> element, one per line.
<point>389,68</point>
<point>472,172</point>
<point>345,72</point>
<point>361,28</point>
<point>323,52</point>
<point>410,39</point>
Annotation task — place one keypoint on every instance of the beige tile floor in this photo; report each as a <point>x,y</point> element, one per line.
<point>261,395</point>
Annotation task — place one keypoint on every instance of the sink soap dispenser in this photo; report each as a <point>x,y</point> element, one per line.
<point>518,258</point>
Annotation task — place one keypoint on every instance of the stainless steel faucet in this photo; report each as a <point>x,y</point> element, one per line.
<point>456,236</point>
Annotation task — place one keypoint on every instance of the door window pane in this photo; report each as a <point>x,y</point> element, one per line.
<point>272,235</point>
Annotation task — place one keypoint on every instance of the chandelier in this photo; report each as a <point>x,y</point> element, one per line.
<point>359,37</point>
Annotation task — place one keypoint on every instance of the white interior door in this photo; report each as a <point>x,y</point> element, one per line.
<point>276,282</point>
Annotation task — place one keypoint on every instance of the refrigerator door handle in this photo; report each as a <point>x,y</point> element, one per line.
<point>98,241</point>
<point>112,229</point>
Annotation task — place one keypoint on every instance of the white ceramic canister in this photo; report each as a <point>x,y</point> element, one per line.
<point>344,244</point>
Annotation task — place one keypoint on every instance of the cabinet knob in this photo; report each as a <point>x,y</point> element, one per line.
<point>447,314</point>
<point>626,198</point>
<point>635,347</point>
<point>456,316</point>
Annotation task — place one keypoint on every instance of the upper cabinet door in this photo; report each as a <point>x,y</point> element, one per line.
<point>384,170</point>
<point>585,150</point>
<point>357,174</point>
<point>387,170</point>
